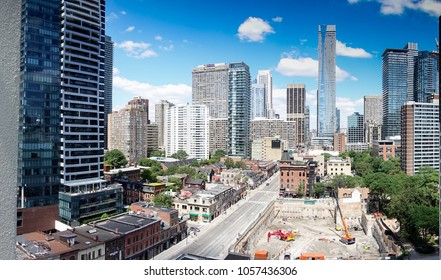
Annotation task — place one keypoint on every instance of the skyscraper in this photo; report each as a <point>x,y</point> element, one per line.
<point>258,101</point>
<point>373,118</point>
<point>337,120</point>
<point>128,130</point>
<point>187,130</point>
<point>160,119</point>
<point>295,109</point>
<point>326,81</point>
<point>307,126</point>
<point>239,90</point>
<point>426,75</point>
<point>355,128</point>
<point>210,88</point>
<point>108,85</point>
<point>398,85</point>
<point>264,77</point>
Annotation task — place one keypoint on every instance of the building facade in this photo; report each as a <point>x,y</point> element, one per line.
<point>258,101</point>
<point>160,119</point>
<point>338,166</point>
<point>373,118</point>
<point>295,109</point>
<point>218,134</point>
<point>264,77</point>
<point>426,76</point>
<point>261,128</point>
<point>128,130</point>
<point>269,148</point>
<point>326,120</point>
<point>420,136</point>
<point>239,90</point>
<point>108,85</point>
<point>398,85</point>
<point>187,130</point>
<point>355,128</point>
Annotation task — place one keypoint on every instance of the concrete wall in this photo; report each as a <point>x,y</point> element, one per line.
<point>10,13</point>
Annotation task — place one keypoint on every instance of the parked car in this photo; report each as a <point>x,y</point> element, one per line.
<point>287,256</point>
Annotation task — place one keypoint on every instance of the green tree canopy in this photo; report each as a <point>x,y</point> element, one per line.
<point>180,154</point>
<point>319,190</point>
<point>115,159</point>
<point>163,200</point>
<point>240,164</point>
<point>176,181</point>
<point>156,153</point>
<point>229,163</point>
<point>156,167</point>
<point>186,169</point>
<point>148,175</point>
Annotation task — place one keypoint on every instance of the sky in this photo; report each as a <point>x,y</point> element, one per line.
<point>158,43</point>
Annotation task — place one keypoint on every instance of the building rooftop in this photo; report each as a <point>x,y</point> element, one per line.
<point>37,245</point>
<point>124,223</point>
<point>125,169</point>
<point>93,232</point>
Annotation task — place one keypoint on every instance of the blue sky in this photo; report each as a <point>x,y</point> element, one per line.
<point>157,43</point>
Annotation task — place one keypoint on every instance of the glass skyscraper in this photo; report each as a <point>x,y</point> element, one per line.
<point>426,76</point>
<point>326,81</point>
<point>39,120</point>
<point>108,86</point>
<point>398,85</point>
<point>239,91</point>
<point>258,101</point>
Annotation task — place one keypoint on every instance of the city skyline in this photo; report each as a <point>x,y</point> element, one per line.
<point>155,51</point>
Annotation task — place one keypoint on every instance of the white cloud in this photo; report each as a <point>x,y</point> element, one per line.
<point>343,50</point>
<point>303,41</point>
<point>130,28</point>
<point>306,67</point>
<point>111,17</point>
<point>397,7</point>
<point>277,19</point>
<point>167,48</point>
<point>158,38</point>
<point>254,30</point>
<point>124,13</point>
<point>115,71</point>
<point>175,93</point>
<point>137,50</point>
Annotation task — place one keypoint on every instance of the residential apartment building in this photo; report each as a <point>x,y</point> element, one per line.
<point>338,166</point>
<point>356,128</point>
<point>297,177</point>
<point>262,128</point>
<point>385,148</point>
<point>268,148</point>
<point>295,109</point>
<point>187,130</point>
<point>218,135</point>
<point>340,142</point>
<point>326,109</point>
<point>108,85</point>
<point>264,77</point>
<point>420,136</point>
<point>161,121</point>
<point>426,76</point>
<point>373,118</point>
<point>128,130</point>
<point>258,101</point>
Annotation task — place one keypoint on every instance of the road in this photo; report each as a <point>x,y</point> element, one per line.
<point>216,237</point>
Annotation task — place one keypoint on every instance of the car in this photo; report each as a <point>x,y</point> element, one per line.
<point>267,184</point>
<point>287,256</point>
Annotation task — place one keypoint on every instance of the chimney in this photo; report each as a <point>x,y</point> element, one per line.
<point>95,238</point>
<point>117,230</point>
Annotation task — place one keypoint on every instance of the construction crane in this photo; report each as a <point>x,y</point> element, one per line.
<point>347,238</point>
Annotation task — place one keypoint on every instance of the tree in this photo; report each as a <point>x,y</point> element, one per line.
<point>115,159</point>
<point>217,156</point>
<point>229,163</point>
<point>200,175</point>
<point>176,181</point>
<point>148,176</point>
<point>186,169</point>
<point>319,190</point>
<point>425,220</point>
<point>327,156</point>
<point>301,190</point>
<point>180,154</point>
<point>156,153</point>
<point>163,200</point>
<point>240,164</point>
<point>156,167</point>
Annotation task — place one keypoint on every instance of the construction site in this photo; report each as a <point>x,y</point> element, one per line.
<point>319,229</point>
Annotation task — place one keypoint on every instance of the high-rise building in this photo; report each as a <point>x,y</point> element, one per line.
<point>326,81</point>
<point>239,90</point>
<point>295,109</point>
<point>160,119</point>
<point>307,126</point>
<point>128,130</point>
<point>187,130</point>
<point>284,130</point>
<point>355,128</point>
<point>398,85</point>
<point>373,118</point>
<point>210,88</point>
<point>426,76</point>
<point>420,131</point>
<point>108,76</point>
<point>264,77</point>
<point>218,134</point>
<point>39,119</point>
<point>337,120</point>
<point>84,194</point>
<point>258,101</point>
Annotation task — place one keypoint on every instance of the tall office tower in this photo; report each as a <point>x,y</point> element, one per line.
<point>326,81</point>
<point>355,128</point>
<point>239,91</point>
<point>152,137</point>
<point>420,132</point>
<point>210,88</point>
<point>258,101</point>
<point>187,130</point>
<point>307,126</point>
<point>337,120</point>
<point>398,85</point>
<point>84,193</point>
<point>218,135</point>
<point>160,119</point>
<point>285,130</point>
<point>128,130</point>
<point>264,77</point>
<point>295,109</point>
<point>39,119</point>
<point>426,75</point>
<point>108,84</point>
<point>373,118</point>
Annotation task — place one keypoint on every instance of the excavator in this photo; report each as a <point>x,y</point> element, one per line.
<point>288,236</point>
<point>347,239</point>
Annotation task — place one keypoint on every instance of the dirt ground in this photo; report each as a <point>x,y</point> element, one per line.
<point>316,236</point>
